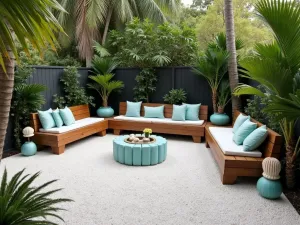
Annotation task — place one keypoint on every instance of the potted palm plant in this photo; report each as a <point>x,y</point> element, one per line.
<point>104,85</point>
<point>224,96</point>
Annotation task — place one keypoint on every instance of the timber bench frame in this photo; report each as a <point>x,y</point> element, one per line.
<point>57,142</point>
<point>232,167</point>
<point>196,131</point>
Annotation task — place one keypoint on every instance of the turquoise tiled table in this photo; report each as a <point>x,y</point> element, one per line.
<point>140,154</point>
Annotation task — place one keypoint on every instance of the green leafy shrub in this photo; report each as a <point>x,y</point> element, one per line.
<point>143,44</point>
<point>26,99</point>
<point>73,93</point>
<point>23,203</point>
<point>175,96</point>
<point>146,85</point>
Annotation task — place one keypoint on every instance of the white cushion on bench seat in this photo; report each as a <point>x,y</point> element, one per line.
<point>157,120</point>
<point>223,136</point>
<point>76,125</point>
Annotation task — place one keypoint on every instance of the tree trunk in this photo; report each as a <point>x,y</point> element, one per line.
<point>290,166</point>
<point>6,90</point>
<point>231,48</point>
<point>104,103</point>
<point>107,22</point>
<point>214,100</point>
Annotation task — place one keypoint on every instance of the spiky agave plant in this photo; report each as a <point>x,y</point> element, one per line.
<point>23,203</point>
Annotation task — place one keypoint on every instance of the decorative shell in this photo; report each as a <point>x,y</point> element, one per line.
<point>131,138</point>
<point>28,132</point>
<point>136,140</point>
<point>271,168</point>
<point>146,140</point>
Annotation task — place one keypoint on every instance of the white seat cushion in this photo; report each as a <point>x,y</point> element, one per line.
<point>223,136</point>
<point>76,125</point>
<point>157,120</point>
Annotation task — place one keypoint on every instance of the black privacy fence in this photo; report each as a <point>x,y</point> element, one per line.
<point>196,87</point>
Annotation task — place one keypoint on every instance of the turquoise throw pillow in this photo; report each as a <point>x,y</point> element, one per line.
<point>179,112</point>
<point>244,130</point>
<point>154,112</point>
<point>57,118</point>
<point>67,116</point>
<point>255,139</point>
<point>239,121</point>
<point>192,111</point>
<point>46,119</point>
<point>133,109</point>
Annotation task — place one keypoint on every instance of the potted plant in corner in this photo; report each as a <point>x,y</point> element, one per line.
<point>220,118</point>
<point>104,85</point>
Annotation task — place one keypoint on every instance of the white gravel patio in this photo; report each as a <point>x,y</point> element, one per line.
<point>185,189</point>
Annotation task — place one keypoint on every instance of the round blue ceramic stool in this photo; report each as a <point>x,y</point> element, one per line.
<point>140,154</point>
<point>28,148</point>
<point>270,189</point>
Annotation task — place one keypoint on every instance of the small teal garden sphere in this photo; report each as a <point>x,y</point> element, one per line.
<point>105,112</point>
<point>219,119</point>
<point>28,148</point>
<point>271,189</point>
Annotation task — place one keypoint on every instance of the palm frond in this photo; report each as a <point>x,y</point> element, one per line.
<point>103,65</point>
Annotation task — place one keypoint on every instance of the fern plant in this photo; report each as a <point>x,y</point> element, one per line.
<point>175,96</point>
<point>23,203</point>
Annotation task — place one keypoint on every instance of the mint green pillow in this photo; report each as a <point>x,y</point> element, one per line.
<point>255,139</point>
<point>179,112</point>
<point>57,118</point>
<point>192,111</point>
<point>243,131</point>
<point>133,109</point>
<point>154,112</point>
<point>67,116</point>
<point>46,119</point>
<point>239,121</point>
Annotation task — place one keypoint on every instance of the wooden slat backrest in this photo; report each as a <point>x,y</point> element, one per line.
<point>272,145</point>
<point>203,112</point>
<point>79,112</point>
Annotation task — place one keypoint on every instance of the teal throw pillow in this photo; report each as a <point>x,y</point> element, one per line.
<point>67,116</point>
<point>255,139</point>
<point>46,119</point>
<point>179,112</point>
<point>239,121</point>
<point>133,109</point>
<point>57,118</point>
<point>154,112</point>
<point>244,130</point>
<point>192,111</point>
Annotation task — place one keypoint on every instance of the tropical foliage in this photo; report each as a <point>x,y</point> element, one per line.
<point>90,20</point>
<point>175,96</point>
<point>104,85</point>
<point>146,85</point>
<point>276,67</point>
<point>23,22</point>
<point>26,99</point>
<point>23,203</point>
<point>74,94</point>
<point>144,44</point>
<point>224,95</point>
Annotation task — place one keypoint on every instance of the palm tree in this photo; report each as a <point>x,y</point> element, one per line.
<point>276,67</point>
<point>89,19</point>
<point>22,21</point>
<point>231,48</point>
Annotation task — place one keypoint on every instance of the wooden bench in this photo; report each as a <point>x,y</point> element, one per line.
<point>196,131</point>
<point>58,141</point>
<point>232,167</point>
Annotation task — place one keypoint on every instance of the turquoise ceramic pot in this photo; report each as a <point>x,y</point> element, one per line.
<point>219,119</point>
<point>105,112</point>
<point>28,148</point>
<point>270,189</point>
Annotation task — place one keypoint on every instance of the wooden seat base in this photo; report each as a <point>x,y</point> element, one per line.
<point>232,167</point>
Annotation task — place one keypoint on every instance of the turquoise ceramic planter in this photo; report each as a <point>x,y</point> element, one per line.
<point>28,148</point>
<point>105,112</point>
<point>270,189</point>
<point>219,119</point>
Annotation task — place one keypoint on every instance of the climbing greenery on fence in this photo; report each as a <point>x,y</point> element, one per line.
<point>73,93</point>
<point>146,85</point>
<point>143,44</point>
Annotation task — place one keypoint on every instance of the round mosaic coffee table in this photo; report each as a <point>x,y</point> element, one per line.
<point>137,154</point>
